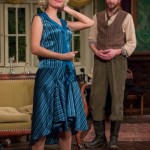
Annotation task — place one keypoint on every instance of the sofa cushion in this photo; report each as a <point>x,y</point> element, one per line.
<point>16,93</point>
<point>26,109</point>
<point>10,114</point>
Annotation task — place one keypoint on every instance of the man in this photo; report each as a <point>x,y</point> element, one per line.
<point>112,39</point>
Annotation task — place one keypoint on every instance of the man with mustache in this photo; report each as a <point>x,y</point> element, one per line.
<point>112,39</point>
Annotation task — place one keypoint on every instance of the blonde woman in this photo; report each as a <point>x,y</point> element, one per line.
<point>57,107</point>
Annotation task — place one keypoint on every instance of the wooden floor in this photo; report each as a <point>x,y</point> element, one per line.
<point>123,145</point>
<point>142,145</point>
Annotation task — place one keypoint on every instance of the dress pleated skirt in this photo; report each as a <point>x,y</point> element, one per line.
<point>57,106</point>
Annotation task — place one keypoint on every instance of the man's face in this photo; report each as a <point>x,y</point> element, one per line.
<point>112,4</point>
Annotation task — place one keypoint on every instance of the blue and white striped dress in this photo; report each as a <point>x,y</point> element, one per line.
<point>57,104</point>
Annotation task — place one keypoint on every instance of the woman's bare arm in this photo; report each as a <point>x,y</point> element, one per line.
<point>82,23</point>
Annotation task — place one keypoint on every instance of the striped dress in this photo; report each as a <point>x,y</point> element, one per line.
<point>57,104</point>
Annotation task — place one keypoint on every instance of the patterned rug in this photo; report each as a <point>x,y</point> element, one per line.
<point>128,132</point>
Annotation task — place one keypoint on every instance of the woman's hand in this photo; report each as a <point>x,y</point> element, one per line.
<point>65,3</point>
<point>69,56</point>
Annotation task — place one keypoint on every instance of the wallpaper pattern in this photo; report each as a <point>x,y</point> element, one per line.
<point>143,25</point>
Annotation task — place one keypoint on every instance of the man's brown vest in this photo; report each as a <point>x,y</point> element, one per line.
<point>111,36</point>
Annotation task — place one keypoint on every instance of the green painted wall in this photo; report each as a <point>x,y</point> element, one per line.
<point>101,5</point>
<point>143,25</point>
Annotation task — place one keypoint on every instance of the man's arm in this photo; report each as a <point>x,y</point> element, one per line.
<point>129,29</point>
<point>93,35</point>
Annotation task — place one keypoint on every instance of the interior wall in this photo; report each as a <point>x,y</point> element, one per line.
<point>139,61</point>
<point>143,26</point>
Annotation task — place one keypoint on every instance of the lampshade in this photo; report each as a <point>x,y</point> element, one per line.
<point>15,1</point>
<point>79,3</point>
<point>73,3</point>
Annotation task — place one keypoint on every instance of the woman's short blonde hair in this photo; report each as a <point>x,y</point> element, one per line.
<point>44,4</point>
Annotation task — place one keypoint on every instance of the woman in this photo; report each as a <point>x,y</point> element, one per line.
<point>57,108</point>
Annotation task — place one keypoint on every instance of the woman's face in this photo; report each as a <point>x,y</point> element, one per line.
<point>56,3</point>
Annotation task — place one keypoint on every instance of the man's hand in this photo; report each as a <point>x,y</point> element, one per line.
<point>102,54</point>
<point>108,54</point>
<point>113,53</point>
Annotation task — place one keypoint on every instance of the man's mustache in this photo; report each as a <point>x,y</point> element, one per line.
<point>111,3</point>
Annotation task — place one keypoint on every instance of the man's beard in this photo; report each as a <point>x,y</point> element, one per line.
<point>112,6</point>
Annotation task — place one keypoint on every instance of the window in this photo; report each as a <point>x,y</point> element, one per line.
<point>76,37</point>
<point>1,37</point>
<point>16,34</point>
